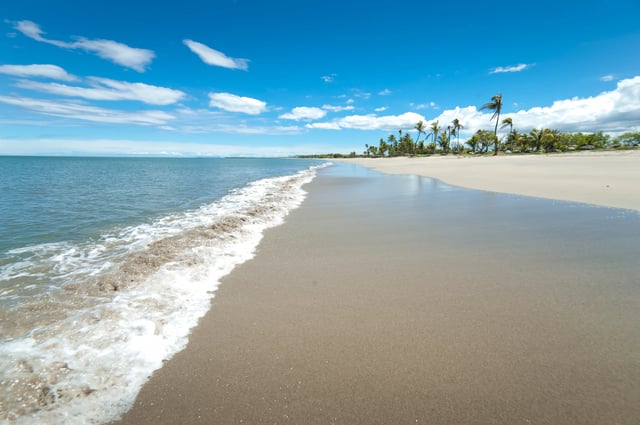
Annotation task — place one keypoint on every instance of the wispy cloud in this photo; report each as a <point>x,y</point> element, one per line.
<point>214,57</point>
<point>53,72</point>
<point>361,94</point>
<point>325,126</point>
<point>607,78</point>
<point>420,106</point>
<point>130,57</point>
<point>371,122</point>
<point>333,108</point>
<point>514,68</point>
<point>304,113</point>
<point>233,103</point>
<point>39,146</point>
<point>107,89</point>
<point>381,109</point>
<point>203,121</point>
<point>329,78</point>
<point>82,111</point>
<point>385,92</point>
<point>32,30</point>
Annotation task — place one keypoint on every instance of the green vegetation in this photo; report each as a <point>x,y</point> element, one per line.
<point>536,141</point>
<point>439,140</point>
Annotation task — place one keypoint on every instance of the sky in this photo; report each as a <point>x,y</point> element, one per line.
<point>285,77</point>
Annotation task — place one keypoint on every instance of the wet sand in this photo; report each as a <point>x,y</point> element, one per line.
<point>602,178</point>
<point>399,299</point>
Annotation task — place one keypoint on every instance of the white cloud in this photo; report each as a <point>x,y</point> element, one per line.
<point>611,111</point>
<point>361,94</point>
<point>233,103</point>
<point>243,128</point>
<point>81,111</point>
<point>45,71</point>
<point>106,89</point>
<point>31,30</point>
<point>148,147</point>
<point>420,106</point>
<point>214,57</point>
<point>333,108</point>
<point>324,126</point>
<point>131,57</point>
<point>470,118</point>
<point>614,111</point>
<point>372,122</point>
<point>329,78</point>
<point>385,92</point>
<point>304,113</point>
<point>119,53</point>
<point>202,121</point>
<point>381,109</point>
<point>513,68</point>
<point>607,78</point>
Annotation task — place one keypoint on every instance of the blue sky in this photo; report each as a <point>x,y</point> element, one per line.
<point>239,77</point>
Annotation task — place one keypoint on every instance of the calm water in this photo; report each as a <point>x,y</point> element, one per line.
<point>106,263</point>
<point>44,200</point>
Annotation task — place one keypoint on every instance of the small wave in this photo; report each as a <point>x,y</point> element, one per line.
<point>85,325</point>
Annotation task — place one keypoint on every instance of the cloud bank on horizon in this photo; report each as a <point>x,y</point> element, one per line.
<point>614,111</point>
<point>191,109</point>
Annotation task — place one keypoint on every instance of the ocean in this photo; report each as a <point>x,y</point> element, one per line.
<point>107,263</point>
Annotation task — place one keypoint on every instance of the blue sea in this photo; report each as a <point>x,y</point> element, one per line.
<point>107,263</point>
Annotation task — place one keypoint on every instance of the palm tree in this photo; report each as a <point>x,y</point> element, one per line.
<point>435,128</point>
<point>535,139</point>
<point>456,128</point>
<point>507,122</point>
<point>496,106</point>
<point>443,142</point>
<point>420,128</point>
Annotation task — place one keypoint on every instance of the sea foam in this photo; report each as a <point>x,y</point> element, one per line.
<point>118,306</point>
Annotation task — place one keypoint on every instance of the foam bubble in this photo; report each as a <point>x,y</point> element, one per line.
<point>118,306</point>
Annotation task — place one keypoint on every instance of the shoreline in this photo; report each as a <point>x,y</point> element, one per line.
<point>609,179</point>
<point>372,304</point>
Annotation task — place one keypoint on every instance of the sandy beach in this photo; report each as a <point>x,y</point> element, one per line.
<point>399,299</point>
<point>602,178</point>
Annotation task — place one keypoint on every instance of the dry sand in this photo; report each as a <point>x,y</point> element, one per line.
<point>392,300</point>
<point>609,179</point>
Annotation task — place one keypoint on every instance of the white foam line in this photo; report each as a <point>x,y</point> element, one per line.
<point>89,367</point>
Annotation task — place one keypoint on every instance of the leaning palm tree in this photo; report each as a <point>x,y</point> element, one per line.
<point>420,128</point>
<point>496,106</point>
<point>507,122</point>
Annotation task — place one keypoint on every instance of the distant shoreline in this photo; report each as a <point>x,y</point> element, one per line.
<point>605,178</point>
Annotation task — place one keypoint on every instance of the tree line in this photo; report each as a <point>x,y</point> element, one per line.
<point>439,139</point>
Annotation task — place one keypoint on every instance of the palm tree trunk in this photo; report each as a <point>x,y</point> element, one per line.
<point>495,133</point>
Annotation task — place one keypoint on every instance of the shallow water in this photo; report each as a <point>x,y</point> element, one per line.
<point>106,263</point>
